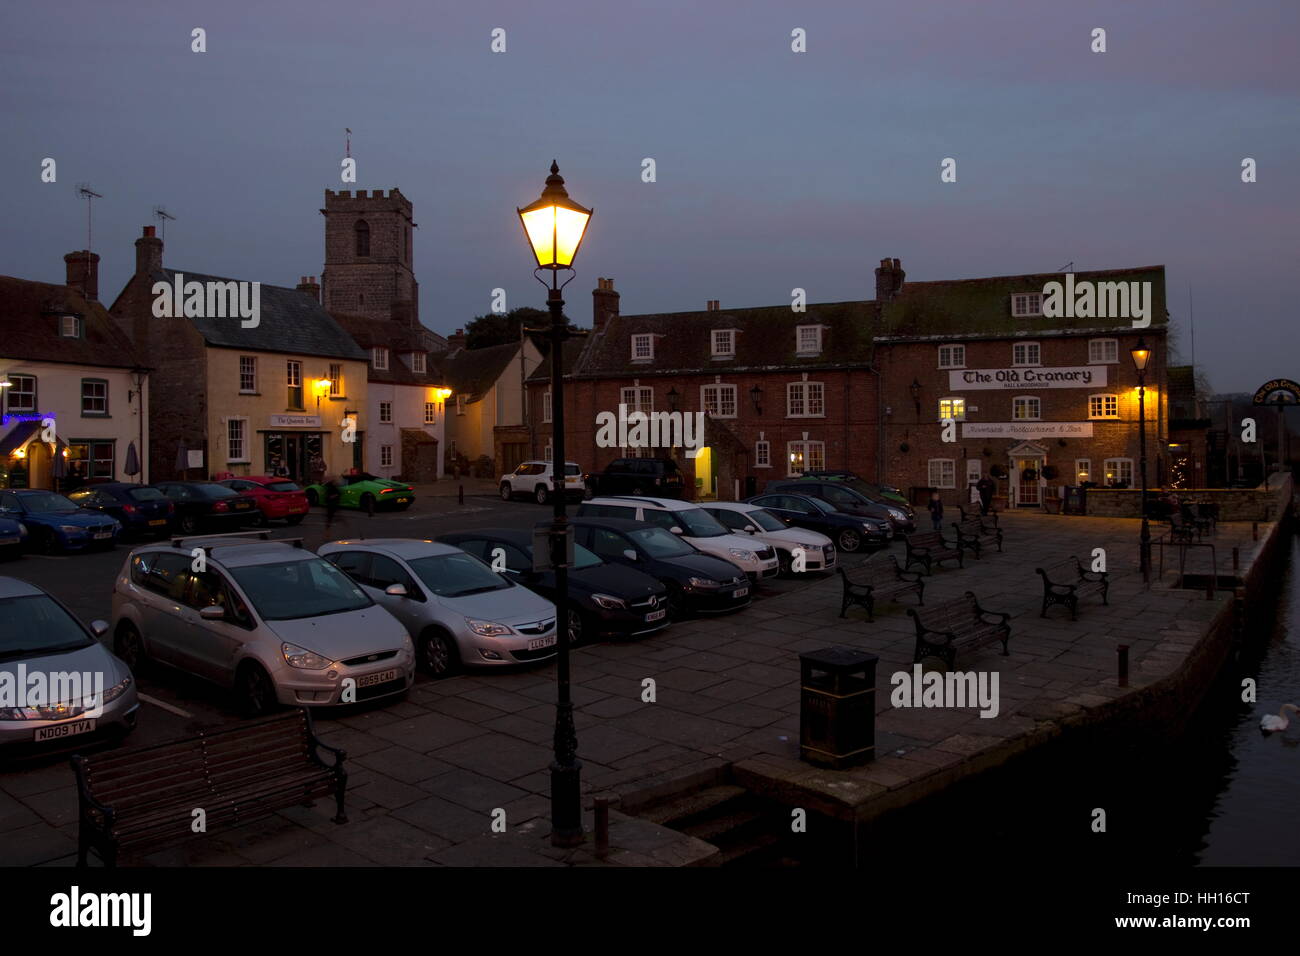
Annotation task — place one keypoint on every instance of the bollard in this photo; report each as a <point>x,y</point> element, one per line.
<point>602,828</point>
<point>1236,560</point>
<point>1123,664</point>
<point>460,495</point>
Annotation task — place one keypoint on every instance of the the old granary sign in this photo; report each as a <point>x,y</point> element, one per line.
<point>1280,391</point>
<point>1081,376</point>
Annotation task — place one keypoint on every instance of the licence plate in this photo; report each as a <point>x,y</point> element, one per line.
<point>158,521</point>
<point>241,505</point>
<point>401,501</point>
<point>8,540</point>
<point>539,642</point>
<point>370,680</point>
<point>103,534</point>
<point>739,592</point>
<point>70,729</point>
<point>655,616</point>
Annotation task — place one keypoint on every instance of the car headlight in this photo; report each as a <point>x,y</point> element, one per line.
<point>809,547</point>
<point>296,656</point>
<point>743,554</point>
<point>609,602</point>
<point>117,690</point>
<point>704,583</point>
<point>897,515</point>
<point>487,628</point>
<point>71,529</point>
<point>871,526</point>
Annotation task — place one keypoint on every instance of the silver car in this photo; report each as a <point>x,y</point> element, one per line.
<point>458,610</point>
<point>265,618</point>
<point>58,684</point>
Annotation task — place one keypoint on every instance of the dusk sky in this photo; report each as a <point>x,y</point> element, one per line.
<point>775,169</point>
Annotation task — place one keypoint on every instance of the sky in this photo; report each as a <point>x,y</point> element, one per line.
<point>773,169</point>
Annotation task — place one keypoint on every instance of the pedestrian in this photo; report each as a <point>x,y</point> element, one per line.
<point>985,486</point>
<point>936,511</point>
<point>332,496</point>
<point>974,496</point>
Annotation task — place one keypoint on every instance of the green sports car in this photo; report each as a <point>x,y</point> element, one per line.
<point>366,492</point>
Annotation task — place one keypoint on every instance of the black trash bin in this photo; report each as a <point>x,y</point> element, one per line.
<point>837,712</point>
<point>751,486</point>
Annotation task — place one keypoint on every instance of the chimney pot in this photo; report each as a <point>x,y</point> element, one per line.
<point>83,272</point>
<point>604,303</point>
<point>148,253</point>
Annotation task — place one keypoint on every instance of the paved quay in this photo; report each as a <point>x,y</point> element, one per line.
<point>429,773</point>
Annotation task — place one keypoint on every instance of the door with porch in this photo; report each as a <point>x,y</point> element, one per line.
<point>1027,461</point>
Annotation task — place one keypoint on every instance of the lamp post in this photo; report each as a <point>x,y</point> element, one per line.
<point>554,226</point>
<point>756,399</point>
<point>1141,355</point>
<point>915,389</point>
<point>673,399</point>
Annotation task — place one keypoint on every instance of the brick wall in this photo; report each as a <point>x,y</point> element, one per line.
<point>1235,504</point>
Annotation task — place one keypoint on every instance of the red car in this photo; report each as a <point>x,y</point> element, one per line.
<point>275,497</point>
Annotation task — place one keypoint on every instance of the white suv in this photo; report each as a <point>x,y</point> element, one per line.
<point>536,478</point>
<point>694,525</point>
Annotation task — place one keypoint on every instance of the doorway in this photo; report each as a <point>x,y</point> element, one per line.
<point>704,472</point>
<point>1027,470</point>
<point>298,452</point>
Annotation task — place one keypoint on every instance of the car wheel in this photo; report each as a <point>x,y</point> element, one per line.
<point>577,627</point>
<point>294,519</point>
<point>188,524</point>
<point>785,561</point>
<point>254,690</point>
<point>258,520</point>
<point>541,495</point>
<point>368,503</point>
<point>849,540</point>
<point>129,647</point>
<point>312,498</point>
<point>677,609</point>
<point>506,492</point>
<point>438,654</point>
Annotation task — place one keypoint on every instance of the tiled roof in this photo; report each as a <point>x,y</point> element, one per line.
<point>29,326</point>
<point>473,372</point>
<point>572,349</point>
<point>370,333</point>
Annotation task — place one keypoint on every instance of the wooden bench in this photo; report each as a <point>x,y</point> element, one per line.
<point>973,534</point>
<point>989,520</point>
<point>1180,530</point>
<point>959,623</point>
<point>1066,582</point>
<point>928,548</point>
<point>145,798</point>
<point>1204,517</point>
<point>882,578</point>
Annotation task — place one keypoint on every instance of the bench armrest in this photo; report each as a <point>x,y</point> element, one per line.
<point>983,613</point>
<point>317,745</point>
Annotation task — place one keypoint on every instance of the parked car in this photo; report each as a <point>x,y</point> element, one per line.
<point>140,509</point>
<point>603,598</point>
<point>13,537</point>
<point>54,523</point>
<point>818,549</point>
<point>537,478</point>
<point>366,492</point>
<point>456,610</point>
<point>267,619</point>
<point>206,504</point>
<point>844,496</point>
<point>89,692</point>
<point>640,476</point>
<point>697,582</point>
<point>276,498</point>
<point>693,523</point>
<point>888,493</point>
<point>850,532</point>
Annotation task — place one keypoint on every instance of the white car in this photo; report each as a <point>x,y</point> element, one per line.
<point>537,478</point>
<point>695,525</point>
<point>818,550</point>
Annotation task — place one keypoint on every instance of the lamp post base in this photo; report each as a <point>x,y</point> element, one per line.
<point>566,804</point>
<point>1145,557</point>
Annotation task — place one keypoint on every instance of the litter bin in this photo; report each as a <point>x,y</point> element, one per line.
<point>837,712</point>
<point>751,486</point>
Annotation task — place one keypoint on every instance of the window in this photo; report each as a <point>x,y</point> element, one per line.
<point>379,358</point>
<point>546,452</point>
<point>1103,351</point>
<point>974,470</point>
<point>417,362</point>
<point>293,378</point>
<point>1026,408</point>
<point>22,393</point>
<point>724,343</point>
<point>94,397</point>
<point>460,404</point>
<point>1082,470</point>
<point>638,398</point>
<point>806,456</point>
<point>385,413</point>
<point>952,356</point>
<point>718,400</point>
<point>643,348</point>
<point>70,327</point>
<point>1028,303</point>
<point>431,413</point>
<point>808,340</point>
<point>1026,353</point>
<point>336,381</point>
<point>385,456</point>
<point>762,454</point>
<point>1119,472</point>
<point>248,374</point>
<point>804,400</point>
<point>363,237</point>
<point>943,473</point>
<point>954,408</point>
<point>546,405</point>
<point>237,439</point>
<point>1103,406</point>
<point>97,458</point>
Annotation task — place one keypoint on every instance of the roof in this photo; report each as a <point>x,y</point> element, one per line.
<point>617,524</point>
<point>401,547</point>
<point>523,539</point>
<point>369,333</point>
<point>473,372</point>
<point>569,355</point>
<point>29,326</point>
<point>235,553</point>
<point>12,587</point>
<point>289,321</point>
<point>668,504</point>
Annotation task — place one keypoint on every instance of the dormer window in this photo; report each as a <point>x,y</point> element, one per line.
<point>417,362</point>
<point>379,358</point>
<point>808,340</point>
<point>1027,303</point>
<point>69,327</point>
<point>643,348</point>
<point>724,343</point>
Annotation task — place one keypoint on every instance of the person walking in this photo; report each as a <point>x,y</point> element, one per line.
<point>332,496</point>
<point>936,511</point>
<point>986,487</point>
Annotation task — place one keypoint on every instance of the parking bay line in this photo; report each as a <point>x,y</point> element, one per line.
<point>165,706</point>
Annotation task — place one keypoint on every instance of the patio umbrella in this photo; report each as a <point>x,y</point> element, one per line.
<point>132,466</point>
<point>59,467</point>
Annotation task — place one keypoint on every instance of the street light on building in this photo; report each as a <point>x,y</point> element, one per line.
<point>673,399</point>
<point>1141,355</point>
<point>554,226</point>
<point>756,398</point>
<point>320,387</point>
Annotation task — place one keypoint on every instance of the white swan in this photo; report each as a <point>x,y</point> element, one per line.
<point>1279,720</point>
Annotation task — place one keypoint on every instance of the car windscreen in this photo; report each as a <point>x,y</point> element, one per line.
<point>456,575</point>
<point>572,470</point>
<point>216,491</point>
<point>288,590</point>
<point>284,486</point>
<point>146,494</point>
<point>35,624</point>
<point>48,501</point>
<point>698,523</point>
<point>582,558</point>
<point>765,520</point>
<point>659,543</point>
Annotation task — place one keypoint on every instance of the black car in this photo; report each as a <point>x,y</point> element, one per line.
<point>696,582</point>
<point>849,531</point>
<point>845,497</point>
<point>142,509</point>
<point>604,598</point>
<point>659,477</point>
<point>200,503</point>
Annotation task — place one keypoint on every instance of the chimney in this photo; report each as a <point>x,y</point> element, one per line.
<point>83,272</point>
<point>456,341</point>
<point>712,305</point>
<point>309,285</point>
<point>604,304</point>
<point>889,280</point>
<point>148,253</point>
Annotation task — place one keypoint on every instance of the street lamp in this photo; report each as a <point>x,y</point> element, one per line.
<point>554,226</point>
<point>1141,355</point>
<point>915,389</point>
<point>673,399</point>
<point>756,398</point>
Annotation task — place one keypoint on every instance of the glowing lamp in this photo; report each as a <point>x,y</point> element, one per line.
<point>554,224</point>
<point>1141,354</point>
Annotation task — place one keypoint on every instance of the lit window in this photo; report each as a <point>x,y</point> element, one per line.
<point>1026,408</point>
<point>719,400</point>
<point>762,454</point>
<point>1025,353</point>
<point>805,400</point>
<point>943,473</point>
<point>430,413</point>
<point>724,343</point>
<point>1103,351</point>
<point>336,381</point>
<point>1103,406</point>
<point>643,348</point>
<point>809,339</point>
<point>1119,472</point>
<point>954,408</point>
<point>806,456</point>
<point>952,356</point>
<point>1030,303</point>
<point>1082,470</point>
